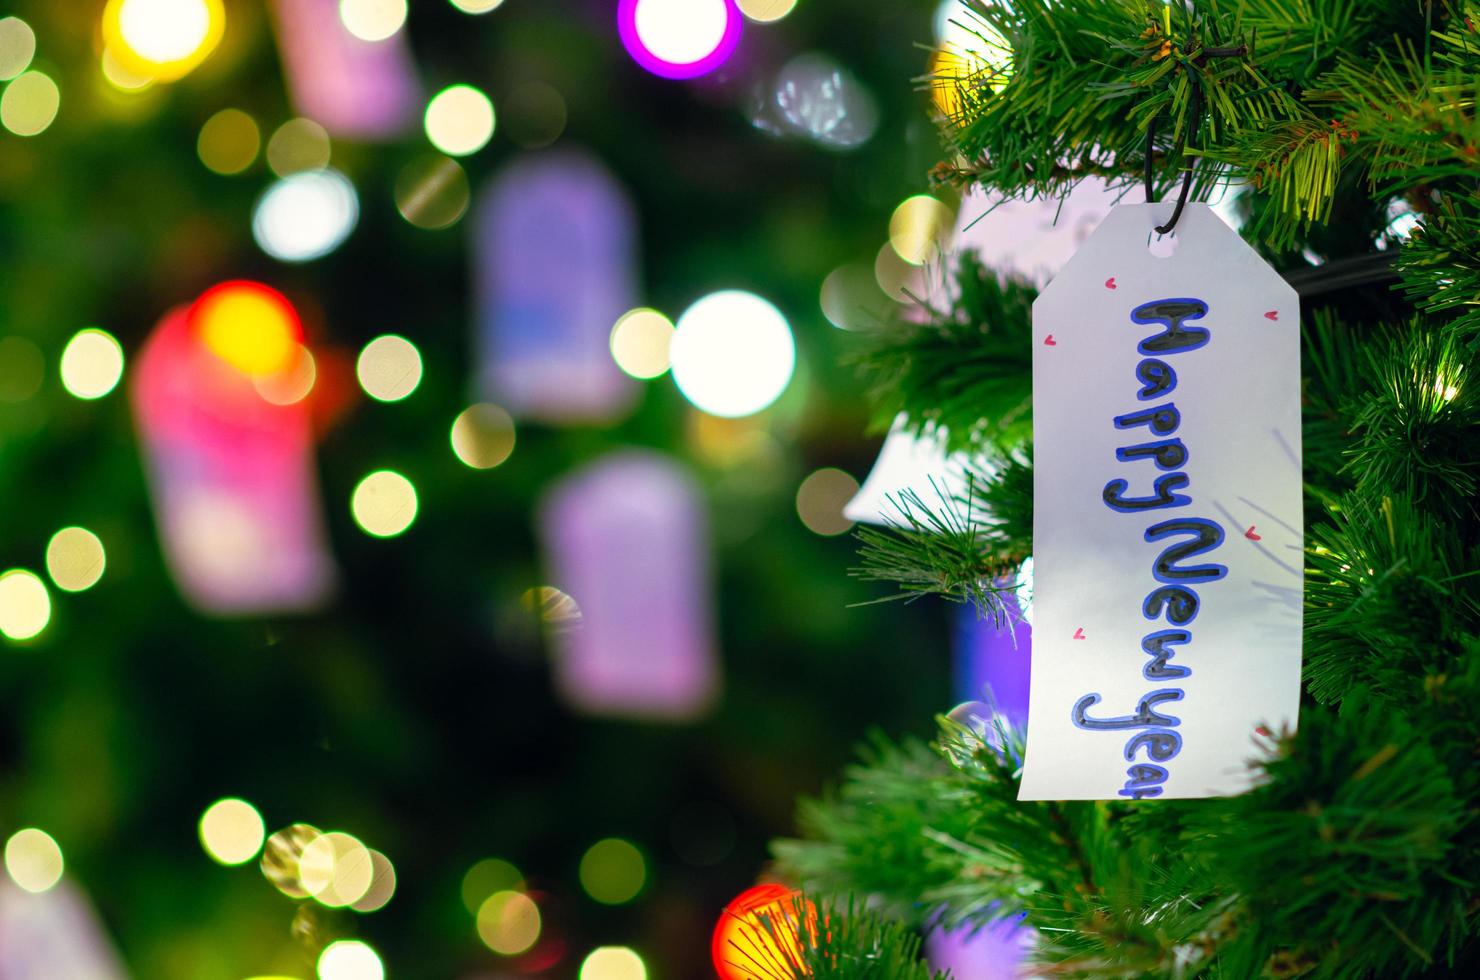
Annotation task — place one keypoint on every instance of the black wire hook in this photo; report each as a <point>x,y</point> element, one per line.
<point>1194,125</point>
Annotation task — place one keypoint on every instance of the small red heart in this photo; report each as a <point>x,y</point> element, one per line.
<point>1049,341</point>
<point>1110,284</point>
<point>1261,730</point>
<point>1079,633</point>
<point>1272,315</point>
<point>1252,536</point>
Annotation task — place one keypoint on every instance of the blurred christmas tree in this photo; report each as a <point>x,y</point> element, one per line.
<point>1350,130</point>
<point>303,441</point>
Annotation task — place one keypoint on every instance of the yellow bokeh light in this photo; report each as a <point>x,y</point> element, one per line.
<point>820,501</point>
<point>163,39</point>
<point>251,327</point>
<point>459,120</point>
<point>281,855</point>
<point>336,869</point>
<point>509,922</point>
<point>231,831</point>
<point>75,559</point>
<point>640,343</point>
<point>297,145</point>
<point>851,299</point>
<point>896,277</point>
<point>389,368</point>
<point>613,871</point>
<point>766,11</point>
<point>25,605</point>
<point>121,77</point>
<point>17,47</point>
<point>30,104</point>
<point>92,363</point>
<point>533,114</point>
<point>483,436</point>
<point>372,20</point>
<point>382,884</point>
<point>432,192</point>
<point>293,383</point>
<point>556,609</point>
<point>229,142</point>
<point>384,504</point>
<point>476,6</point>
<point>919,227</point>
<point>613,963</point>
<point>34,860</point>
<point>350,959</point>
<point>487,877</point>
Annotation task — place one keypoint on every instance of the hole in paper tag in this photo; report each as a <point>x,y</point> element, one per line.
<point>1161,246</point>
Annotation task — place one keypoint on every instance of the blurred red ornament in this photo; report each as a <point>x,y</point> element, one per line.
<point>758,938</point>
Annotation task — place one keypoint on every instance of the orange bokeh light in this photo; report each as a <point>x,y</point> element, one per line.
<point>250,326</point>
<point>756,937</point>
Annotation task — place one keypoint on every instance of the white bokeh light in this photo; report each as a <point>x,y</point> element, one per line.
<point>164,30</point>
<point>305,215</point>
<point>681,31</point>
<point>733,354</point>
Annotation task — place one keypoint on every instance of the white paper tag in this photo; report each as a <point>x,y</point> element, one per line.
<point>1167,523</point>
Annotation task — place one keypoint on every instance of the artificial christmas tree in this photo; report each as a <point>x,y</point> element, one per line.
<point>1351,127</point>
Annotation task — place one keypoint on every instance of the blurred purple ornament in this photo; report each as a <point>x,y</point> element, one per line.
<point>555,267</point>
<point>993,952</point>
<point>627,538</point>
<point>353,88</point>
<point>992,660</point>
<point>52,935</point>
<point>232,480</point>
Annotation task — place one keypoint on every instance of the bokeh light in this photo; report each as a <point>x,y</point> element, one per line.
<point>229,142</point>
<point>162,39</point>
<point>372,20</point>
<point>919,227</point>
<point>17,47</point>
<point>306,216</point>
<point>766,11</point>
<point>557,610</point>
<point>298,145</point>
<point>280,857</point>
<point>25,605</point>
<point>487,877</point>
<point>852,300</point>
<point>30,104</point>
<point>896,277</point>
<point>733,354</point>
<point>821,498</point>
<point>389,368</point>
<point>641,342</point>
<point>33,860</point>
<point>75,559</point>
<point>22,367</point>
<point>432,192</point>
<point>293,383</point>
<point>820,99</point>
<point>350,959</point>
<point>509,922</point>
<point>120,77</point>
<point>384,504</point>
<point>679,38</point>
<point>249,326</point>
<point>382,884</point>
<point>476,6</point>
<point>459,120</point>
<point>613,871</point>
<point>92,363</point>
<point>757,934</point>
<point>613,963</point>
<point>336,869</point>
<point>232,831</point>
<point>971,60</point>
<point>483,436</point>
<point>533,115</point>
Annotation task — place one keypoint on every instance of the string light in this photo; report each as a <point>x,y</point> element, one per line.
<point>477,6</point>
<point>306,216</point>
<point>382,884</point>
<point>248,325</point>
<point>641,342</point>
<point>483,436</point>
<point>350,959</point>
<point>92,364</point>
<point>372,20</point>
<point>229,142</point>
<point>384,504</point>
<point>487,877</point>
<point>30,104</point>
<point>509,922</point>
<point>613,871</point>
<point>162,39</point>
<point>17,47</point>
<point>919,227</point>
<point>821,498</point>
<point>432,192</point>
<point>679,38</point>
<point>297,145</point>
<point>389,368</point>
<point>766,11</point>
<point>613,963</point>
